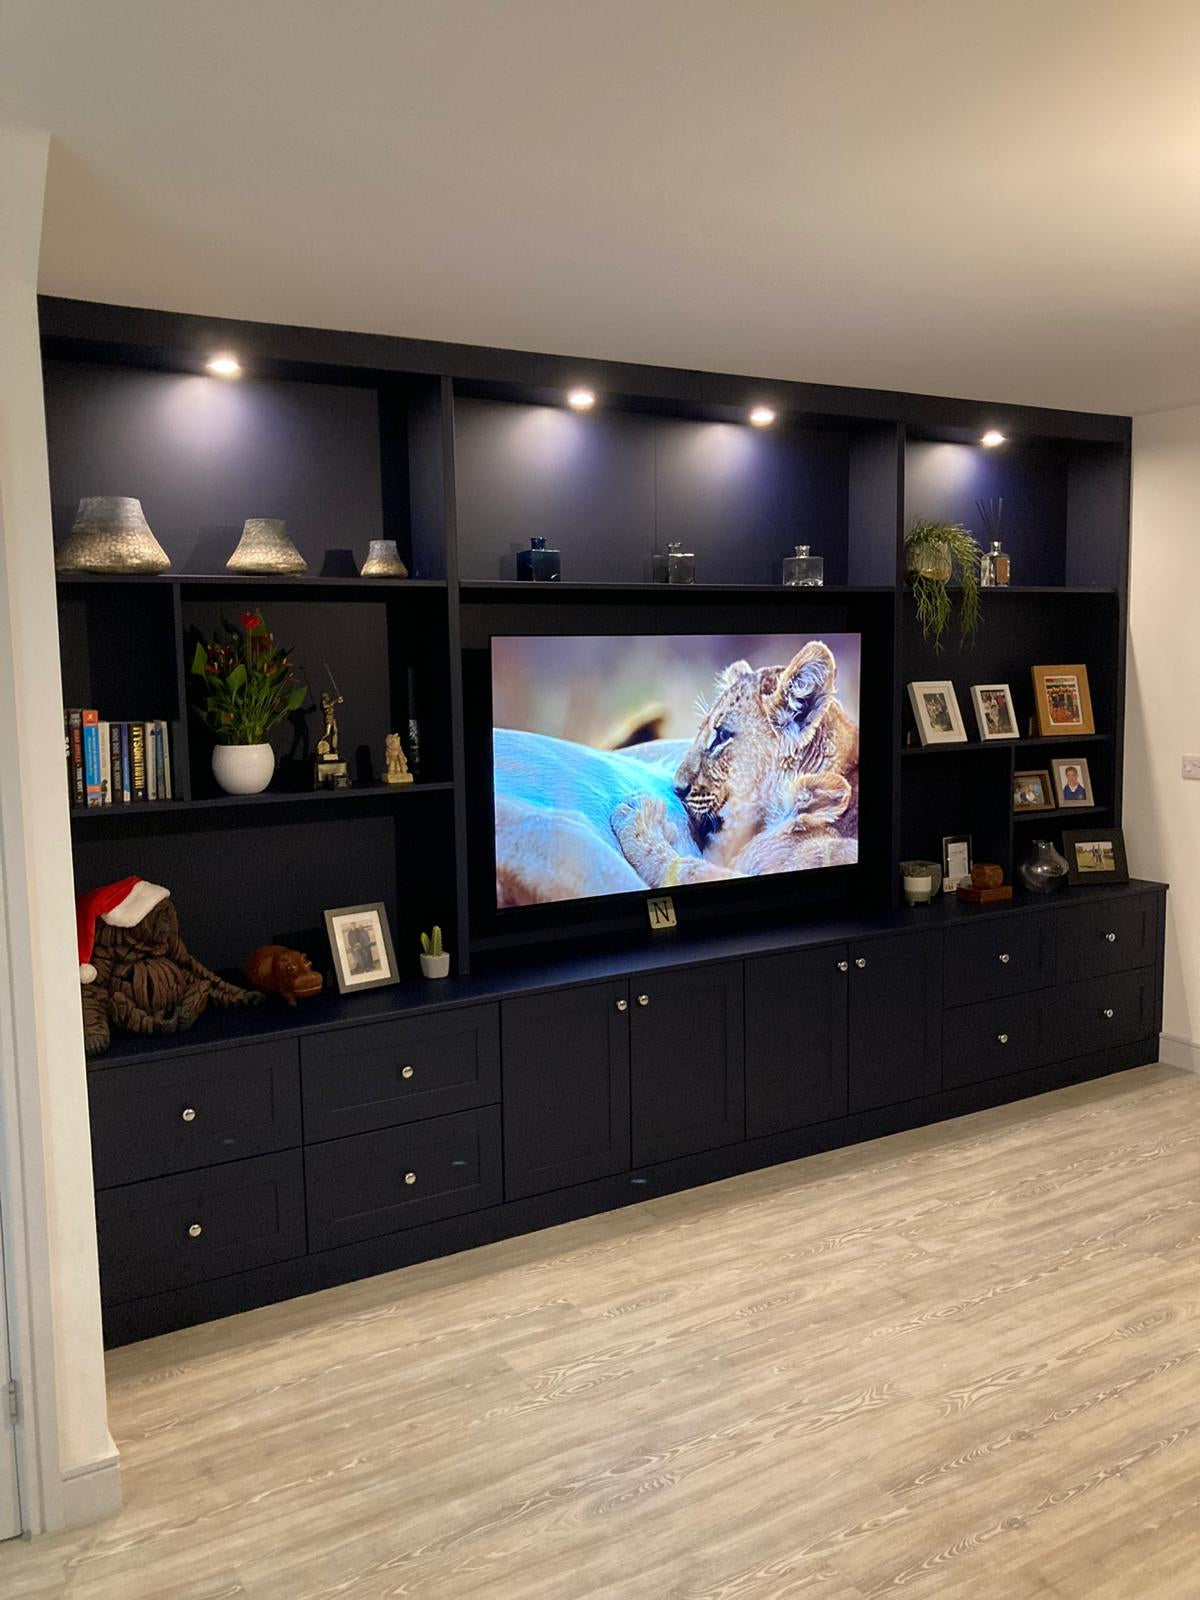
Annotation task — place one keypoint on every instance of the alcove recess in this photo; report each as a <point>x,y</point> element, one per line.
<point>463,454</point>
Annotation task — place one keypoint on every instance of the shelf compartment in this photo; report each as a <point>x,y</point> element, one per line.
<point>236,802</point>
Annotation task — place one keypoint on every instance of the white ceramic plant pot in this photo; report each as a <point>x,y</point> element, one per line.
<point>436,966</point>
<point>243,768</point>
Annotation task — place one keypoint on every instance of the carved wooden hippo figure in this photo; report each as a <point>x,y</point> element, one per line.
<point>275,969</point>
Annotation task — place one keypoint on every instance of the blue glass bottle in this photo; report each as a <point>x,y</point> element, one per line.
<point>539,565</point>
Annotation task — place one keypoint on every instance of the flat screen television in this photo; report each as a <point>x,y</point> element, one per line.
<point>630,763</point>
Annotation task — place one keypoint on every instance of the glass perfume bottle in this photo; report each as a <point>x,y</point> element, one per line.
<point>995,568</point>
<point>539,565</point>
<point>803,571</point>
<point>676,566</point>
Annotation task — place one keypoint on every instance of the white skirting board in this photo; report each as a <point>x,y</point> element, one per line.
<point>1179,1052</point>
<point>92,1492</point>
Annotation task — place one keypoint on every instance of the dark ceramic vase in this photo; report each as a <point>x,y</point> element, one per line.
<point>1043,869</point>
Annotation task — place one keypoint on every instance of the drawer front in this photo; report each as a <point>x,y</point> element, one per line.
<point>996,1037</point>
<point>1107,936</point>
<point>1099,1012</point>
<point>199,1225</point>
<point>218,1105</point>
<point>386,1073</point>
<point>1003,955</point>
<point>402,1177</point>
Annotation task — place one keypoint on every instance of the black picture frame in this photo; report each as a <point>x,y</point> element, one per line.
<point>1075,839</point>
<point>949,882</point>
<point>350,982</point>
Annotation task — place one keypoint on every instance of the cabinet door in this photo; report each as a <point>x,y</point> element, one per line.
<point>566,1088</point>
<point>687,1064</point>
<point>895,1019</point>
<point>795,1039</point>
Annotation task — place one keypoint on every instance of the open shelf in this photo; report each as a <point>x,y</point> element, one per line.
<point>1059,813</point>
<point>250,580</point>
<point>507,589</point>
<point>269,797</point>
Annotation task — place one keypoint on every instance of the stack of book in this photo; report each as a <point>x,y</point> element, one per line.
<point>116,763</point>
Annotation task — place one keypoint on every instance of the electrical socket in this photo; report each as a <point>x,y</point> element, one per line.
<point>1191,767</point>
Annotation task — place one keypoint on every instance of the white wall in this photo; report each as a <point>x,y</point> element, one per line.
<point>1162,812</point>
<point>43,1090</point>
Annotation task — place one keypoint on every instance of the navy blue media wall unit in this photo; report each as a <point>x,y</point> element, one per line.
<point>559,1071</point>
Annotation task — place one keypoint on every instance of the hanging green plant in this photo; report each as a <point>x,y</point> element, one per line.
<point>936,554</point>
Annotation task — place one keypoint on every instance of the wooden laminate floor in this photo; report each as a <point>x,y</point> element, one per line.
<point>960,1362</point>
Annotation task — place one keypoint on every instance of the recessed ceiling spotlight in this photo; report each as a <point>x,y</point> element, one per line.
<point>762,416</point>
<point>225,367</point>
<point>581,399</point>
<point>992,438</point>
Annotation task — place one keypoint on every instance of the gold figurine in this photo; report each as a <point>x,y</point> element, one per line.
<point>329,768</point>
<point>395,765</point>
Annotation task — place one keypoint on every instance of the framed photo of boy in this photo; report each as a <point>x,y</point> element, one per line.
<point>1072,782</point>
<point>994,711</point>
<point>1032,792</point>
<point>1063,700</point>
<point>361,942</point>
<point>1095,855</point>
<point>935,707</point>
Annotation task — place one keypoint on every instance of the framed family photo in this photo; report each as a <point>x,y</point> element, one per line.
<point>994,711</point>
<point>1032,792</point>
<point>361,942</point>
<point>1072,782</point>
<point>935,706</point>
<point>1095,855</point>
<point>1063,700</point>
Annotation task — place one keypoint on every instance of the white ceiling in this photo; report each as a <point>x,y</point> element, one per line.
<point>954,196</point>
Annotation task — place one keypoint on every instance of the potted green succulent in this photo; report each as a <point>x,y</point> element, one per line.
<point>244,686</point>
<point>935,555</point>
<point>435,962</point>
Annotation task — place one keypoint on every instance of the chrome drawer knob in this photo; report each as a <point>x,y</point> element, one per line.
<point>1002,1037</point>
<point>406,1072</point>
<point>643,999</point>
<point>1111,937</point>
<point>410,1177</point>
<point>195,1231</point>
<point>860,962</point>
<point>1004,960</point>
<point>843,966</point>
<point>1108,1011</point>
<point>188,1114</point>
<point>622,1005</point>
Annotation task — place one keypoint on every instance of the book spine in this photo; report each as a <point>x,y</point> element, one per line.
<point>91,759</point>
<point>137,759</point>
<point>160,760</point>
<point>168,788</point>
<point>75,731</point>
<point>105,765</point>
<point>151,765</point>
<point>126,764</point>
<point>114,761</point>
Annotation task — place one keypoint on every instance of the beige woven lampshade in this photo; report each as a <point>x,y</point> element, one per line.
<point>266,547</point>
<point>110,534</point>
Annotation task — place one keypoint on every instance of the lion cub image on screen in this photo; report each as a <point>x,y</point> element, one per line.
<point>622,763</point>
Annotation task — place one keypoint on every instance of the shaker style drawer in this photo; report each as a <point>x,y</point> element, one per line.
<point>402,1177</point>
<point>386,1073</point>
<point>996,1037</point>
<point>1100,1012</point>
<point>198,1225</point>
<point>1004,955</point>
<point>1107,936</point>
<point>193,1111</point>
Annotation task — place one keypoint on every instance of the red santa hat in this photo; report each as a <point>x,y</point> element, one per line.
<point>121,905</point>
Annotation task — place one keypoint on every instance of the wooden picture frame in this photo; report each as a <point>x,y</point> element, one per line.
<point>1095,856</point>
<point>361,943</point>
<point>1064,790</point>
<point>1032,791</point>
<point>995,713</point>
<point>1063,700</point>
<point>935,707</point>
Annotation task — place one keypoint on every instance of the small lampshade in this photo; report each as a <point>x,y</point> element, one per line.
<point>110,534</point>
<point>265,546</point>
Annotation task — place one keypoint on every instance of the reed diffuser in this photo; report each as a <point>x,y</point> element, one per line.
<point>995,567</point>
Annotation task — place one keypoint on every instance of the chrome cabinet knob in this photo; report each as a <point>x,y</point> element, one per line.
<point>622,1005</point>
<point>410,1178</point>
<point>1107,1012</point>
<point>843,966</point>
<point>195,1231</point>
<point>860,962</point>
<point>1005,959</point>
<point>188,1114</point>
<point>1111,937</point>
<point>406,1072</point>
<point>1002,1038</point>
<point>643,999</point>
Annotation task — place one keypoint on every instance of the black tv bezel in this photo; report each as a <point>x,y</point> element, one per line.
<point>792,895</point>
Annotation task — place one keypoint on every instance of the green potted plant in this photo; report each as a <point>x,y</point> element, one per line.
<point>435,962</point>
<point>935,555</point>
<point>244,686</point>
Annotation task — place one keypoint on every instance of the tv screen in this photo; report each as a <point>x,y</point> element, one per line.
<point>622,764</point>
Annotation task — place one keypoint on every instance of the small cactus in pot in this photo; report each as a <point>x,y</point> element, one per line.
<point>435,962</point>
